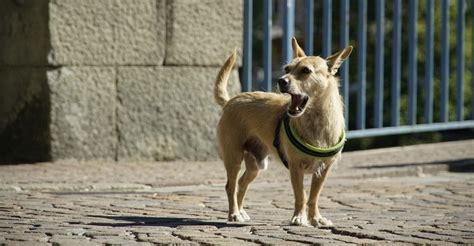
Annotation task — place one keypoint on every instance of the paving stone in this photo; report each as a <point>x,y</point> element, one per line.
<point>23,243</point>
<point>165,239</point>
<point>118,241</point>
<point>74,242</point>
<point>35,237</point>
<point>253,238</point>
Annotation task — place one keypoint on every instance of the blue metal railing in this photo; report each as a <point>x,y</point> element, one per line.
<point>444,61</point>
<point>379,63</point>
<point>429,62</point>
<point>344,42</point>
<point>361,63</point>
<point>412,64</point>
<point>396,62</point>
<point>361,83</point>
<point>247,59</point>
<point>288,29</point>
<point>460,26</point>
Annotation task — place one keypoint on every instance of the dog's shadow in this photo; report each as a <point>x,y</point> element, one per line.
<point>172,222</point>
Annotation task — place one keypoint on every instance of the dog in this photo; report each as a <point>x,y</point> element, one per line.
<point>255,125</point>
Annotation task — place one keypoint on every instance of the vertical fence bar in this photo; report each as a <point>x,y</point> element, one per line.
<point>309,27</point>
<point>395,92</point>
<point>361,62</point>
<point>247,62</point>
<point>460,26</point>
<point>379,63</point>
<point>288,29</point>
<point>444,60</point>
<point>429,62</point>
<point>344,70</point>
<point>412,64</point>
<point>472,63</point>
<point>327,27</point>
<point>267,45</point>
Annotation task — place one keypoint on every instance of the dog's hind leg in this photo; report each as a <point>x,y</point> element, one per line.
<point>232,166</point>
<point>252,166</point>
<point>256,158</point>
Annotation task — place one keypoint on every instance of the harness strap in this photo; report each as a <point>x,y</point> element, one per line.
<point>311,150</point>
<point>276,141</point>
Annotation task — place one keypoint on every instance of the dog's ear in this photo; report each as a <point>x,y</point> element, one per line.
<point>335,61</point>
<point>297,51</point>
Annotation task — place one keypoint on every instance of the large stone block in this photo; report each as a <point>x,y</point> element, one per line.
<point>19,86</point>
<point>202,32</point>
<point>90,32</point>
<point>83,112</point>
<point>24,110</point>
<point>168,113</point>
<point>24,34</point>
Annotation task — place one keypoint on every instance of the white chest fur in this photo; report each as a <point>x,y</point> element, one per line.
<point>314,167</point>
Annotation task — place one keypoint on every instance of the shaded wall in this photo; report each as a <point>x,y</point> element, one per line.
<point>113,79</point>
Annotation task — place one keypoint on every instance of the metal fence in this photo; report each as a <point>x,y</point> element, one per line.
<point>413,9</point>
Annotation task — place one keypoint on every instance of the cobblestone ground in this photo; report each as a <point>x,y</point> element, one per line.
<point>418,194</point>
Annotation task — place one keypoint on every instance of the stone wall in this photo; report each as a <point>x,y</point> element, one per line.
<point>113,79</point>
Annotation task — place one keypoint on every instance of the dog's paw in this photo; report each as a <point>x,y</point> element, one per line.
<point>320,222</point>
<point>299,220</point>
<point>235,218</point>
<point>244,215</point>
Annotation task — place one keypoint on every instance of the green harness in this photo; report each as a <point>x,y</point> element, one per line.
<point>301,145</point>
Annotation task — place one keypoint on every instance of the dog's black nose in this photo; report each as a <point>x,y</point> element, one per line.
<point>283,84</point>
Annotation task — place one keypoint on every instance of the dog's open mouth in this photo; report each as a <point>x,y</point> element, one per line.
<point>298,104</point>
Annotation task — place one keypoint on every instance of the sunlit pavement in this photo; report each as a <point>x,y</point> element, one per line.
<point>416,194</point>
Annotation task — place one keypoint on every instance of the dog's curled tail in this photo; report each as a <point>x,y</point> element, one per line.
<point>220,89</point>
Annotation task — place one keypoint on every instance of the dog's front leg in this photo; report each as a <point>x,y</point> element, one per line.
<point>317,184</point>
<point>297,176</point>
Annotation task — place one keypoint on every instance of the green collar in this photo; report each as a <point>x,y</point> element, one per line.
<point>300,144</point>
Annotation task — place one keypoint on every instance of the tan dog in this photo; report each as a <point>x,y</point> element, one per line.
<point>247,129</point>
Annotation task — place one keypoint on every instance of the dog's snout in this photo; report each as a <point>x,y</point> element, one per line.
<point>284,84</point>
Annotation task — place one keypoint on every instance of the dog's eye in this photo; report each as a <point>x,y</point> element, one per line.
<point>306,70</point>
<point>287,69</point>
